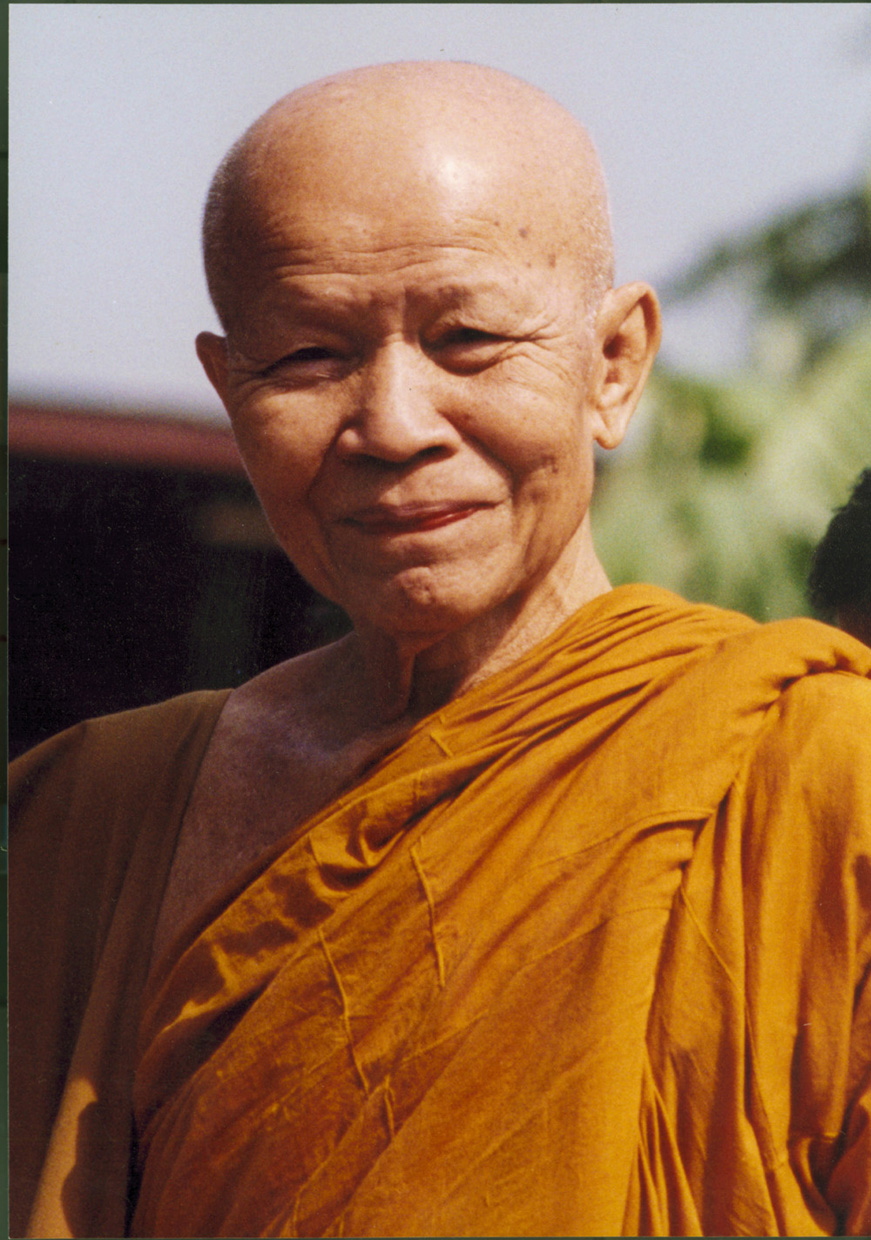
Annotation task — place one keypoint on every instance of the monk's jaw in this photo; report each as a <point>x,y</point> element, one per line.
<point>425,649</point>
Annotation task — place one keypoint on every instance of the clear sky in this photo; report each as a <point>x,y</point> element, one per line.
<point>708,117</point>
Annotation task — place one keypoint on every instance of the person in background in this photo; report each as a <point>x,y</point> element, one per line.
<point>531,906</point>
<point>840,579</point>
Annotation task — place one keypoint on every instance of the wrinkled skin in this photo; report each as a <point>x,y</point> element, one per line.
<point>414,370</point>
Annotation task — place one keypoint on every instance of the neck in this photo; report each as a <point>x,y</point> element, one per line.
<point>408,676</point>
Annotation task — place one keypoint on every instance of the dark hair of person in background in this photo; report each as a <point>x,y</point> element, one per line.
<point>839,585</point>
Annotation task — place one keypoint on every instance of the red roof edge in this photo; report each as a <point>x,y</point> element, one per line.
<point>129,439</point>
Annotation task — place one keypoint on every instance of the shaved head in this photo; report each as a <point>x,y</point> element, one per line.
<point>412,265</point>
<point>382,133</point>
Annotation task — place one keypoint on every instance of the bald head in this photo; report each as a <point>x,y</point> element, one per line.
<point>390,133</point>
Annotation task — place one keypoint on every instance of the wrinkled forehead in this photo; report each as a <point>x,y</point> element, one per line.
<point>312,258</point>
<point>403,180</point>
<point>338,174</point>
<point>438,225</point>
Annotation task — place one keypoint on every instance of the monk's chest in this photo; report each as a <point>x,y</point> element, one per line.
<point>252,792</point>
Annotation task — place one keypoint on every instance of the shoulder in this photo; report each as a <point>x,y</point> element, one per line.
<point>784,689</point>
<point>92,794</point>
<point>128,748</point>
<point>820,724</point>
<point>304,681</point>
<point>806,790</point>
<point>294,710</point>
<point>787,855</point>
<point>93,810</point>
<point>841,694</point>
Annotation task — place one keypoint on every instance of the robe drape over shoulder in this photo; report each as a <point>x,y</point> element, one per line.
<point>587,954</point>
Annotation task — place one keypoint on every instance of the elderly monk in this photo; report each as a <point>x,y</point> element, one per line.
<point>531,906</point>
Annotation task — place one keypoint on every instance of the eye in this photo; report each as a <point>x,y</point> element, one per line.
<point>467,349</point>
<point>314,353</point>
<point>467,336</point>
<point>307,365</point>
<point>302,357</point>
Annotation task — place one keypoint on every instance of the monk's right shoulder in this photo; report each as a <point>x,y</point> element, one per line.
<point>127,747</point>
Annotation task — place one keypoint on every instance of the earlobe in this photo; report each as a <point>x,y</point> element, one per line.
<point>628,332</point>
<point>212,352</point>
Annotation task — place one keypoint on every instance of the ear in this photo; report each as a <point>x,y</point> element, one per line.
<point>628,331</point>
<point>212,352</point>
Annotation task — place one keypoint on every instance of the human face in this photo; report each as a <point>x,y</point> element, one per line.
<point>409,394</point>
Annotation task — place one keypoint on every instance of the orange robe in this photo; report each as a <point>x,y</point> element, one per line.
<point>587,954</point>
<point>94,817</point>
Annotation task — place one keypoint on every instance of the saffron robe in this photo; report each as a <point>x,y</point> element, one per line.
<point>587,954</point>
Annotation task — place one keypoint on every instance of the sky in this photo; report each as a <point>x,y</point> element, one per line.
<point>709,118</point>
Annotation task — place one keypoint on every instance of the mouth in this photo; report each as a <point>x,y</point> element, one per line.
<point>410,518</point>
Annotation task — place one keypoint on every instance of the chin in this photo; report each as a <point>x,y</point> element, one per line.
<point>415,603</point>
<point>420,603</point>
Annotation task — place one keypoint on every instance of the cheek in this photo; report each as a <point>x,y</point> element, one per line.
<point>282,468</point>
<point>281,452</point>
<point>554,492</point>
<point>550,456</point>
<point>532,415</point>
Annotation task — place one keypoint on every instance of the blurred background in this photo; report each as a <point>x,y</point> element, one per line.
<point>737,144</point>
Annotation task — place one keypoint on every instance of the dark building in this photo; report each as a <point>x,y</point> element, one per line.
<point>140,567</point>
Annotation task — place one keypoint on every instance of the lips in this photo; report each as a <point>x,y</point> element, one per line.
<point>411,518</point>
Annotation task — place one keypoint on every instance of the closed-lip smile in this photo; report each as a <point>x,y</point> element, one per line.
<point>411,518</point>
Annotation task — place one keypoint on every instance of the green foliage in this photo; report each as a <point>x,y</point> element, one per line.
<point>727,486</point>
<point>810,267</point>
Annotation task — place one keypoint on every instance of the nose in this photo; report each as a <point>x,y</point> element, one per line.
<point>397,414</point>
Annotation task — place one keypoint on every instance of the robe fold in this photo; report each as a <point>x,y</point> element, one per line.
<point>588,953</point>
